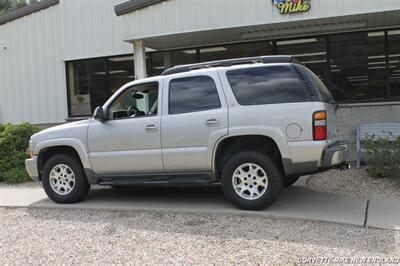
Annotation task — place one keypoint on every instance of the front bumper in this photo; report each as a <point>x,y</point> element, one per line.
<point>335,154</point>
<point>32,168</point>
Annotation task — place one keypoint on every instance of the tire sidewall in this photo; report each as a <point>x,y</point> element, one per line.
<point>81,185</point>
<point>274,176</point>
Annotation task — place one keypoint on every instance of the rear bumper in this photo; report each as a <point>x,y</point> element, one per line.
<point>313,157</point>
<point>32,168</point>
<point>335,154</point>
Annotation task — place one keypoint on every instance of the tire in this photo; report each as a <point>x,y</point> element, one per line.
<point>60,168</point>
<point>268,187</point>
<point>290,180</point>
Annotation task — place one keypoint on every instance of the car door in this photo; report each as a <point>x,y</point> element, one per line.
<point>194,118</point>
<point>129,141</point>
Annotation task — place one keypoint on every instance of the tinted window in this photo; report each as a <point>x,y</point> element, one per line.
<point>193,94</point>
<point>266,85</point>
<point>91,82</point>
<point>358,68</point>
<point>325,94</point>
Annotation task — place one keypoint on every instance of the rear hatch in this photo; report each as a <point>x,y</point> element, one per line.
<point>321,94</point>
<point>329,106</point>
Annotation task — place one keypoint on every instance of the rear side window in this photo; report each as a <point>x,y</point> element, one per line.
<point>266,85</point>
<point>323,90</point>
<point>193,94</point>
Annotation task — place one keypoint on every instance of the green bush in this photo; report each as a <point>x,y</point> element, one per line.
<point>16,175</point>
<point>2,127</point>
<point>13,151</point>
<point>383,157</point>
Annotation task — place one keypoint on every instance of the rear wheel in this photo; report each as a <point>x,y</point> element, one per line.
<point>252,180</point>
<point>63,179</point>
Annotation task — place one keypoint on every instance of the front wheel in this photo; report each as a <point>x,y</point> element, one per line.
<point>252,180</point>
<point>63,179</point>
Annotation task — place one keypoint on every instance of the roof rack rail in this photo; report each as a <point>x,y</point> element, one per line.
<point>231,62</point>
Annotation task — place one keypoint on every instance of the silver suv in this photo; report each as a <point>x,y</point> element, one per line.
<point>252,124</point>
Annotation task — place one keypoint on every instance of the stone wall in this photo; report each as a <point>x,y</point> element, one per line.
<point>350,115</point>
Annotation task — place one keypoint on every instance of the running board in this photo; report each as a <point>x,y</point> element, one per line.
<point>155,179</point>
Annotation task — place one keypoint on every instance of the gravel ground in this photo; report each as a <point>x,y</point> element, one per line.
<point>354,182</point>
<point>61,237</point>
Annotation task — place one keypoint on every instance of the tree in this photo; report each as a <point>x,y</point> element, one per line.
<point>11,5</point>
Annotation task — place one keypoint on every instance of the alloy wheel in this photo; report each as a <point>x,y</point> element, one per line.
<point>250,181</point>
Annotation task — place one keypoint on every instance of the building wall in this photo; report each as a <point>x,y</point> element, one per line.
<point>350,115</point>
<point>33,51</point>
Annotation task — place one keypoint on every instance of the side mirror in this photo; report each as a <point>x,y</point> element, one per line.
<point>99,114</point>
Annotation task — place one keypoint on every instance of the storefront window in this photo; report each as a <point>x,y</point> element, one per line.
<point>358,66</point>
<point>91,82</point>
<point>310,51</point>
<point>160,61</point>
<point>394,62</point>
<point>235,51</point>
<point>120,71</point>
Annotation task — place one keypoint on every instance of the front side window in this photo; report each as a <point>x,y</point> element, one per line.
<point>193,94</point>
<point>136,101</point>
<point>266,85</point>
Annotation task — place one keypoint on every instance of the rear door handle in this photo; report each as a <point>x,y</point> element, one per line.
<point>151,128</point>
<point>213,122</point>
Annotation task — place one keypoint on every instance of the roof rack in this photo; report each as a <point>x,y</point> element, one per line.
<point>231,62</point>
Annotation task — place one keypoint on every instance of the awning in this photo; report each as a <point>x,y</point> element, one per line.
<point>302,28</point>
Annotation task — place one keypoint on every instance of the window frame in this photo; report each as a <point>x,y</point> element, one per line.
<point>193,76</point>
<point>116,96</point>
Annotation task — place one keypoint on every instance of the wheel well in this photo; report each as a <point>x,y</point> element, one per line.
<point>47,153</point>
<point>232,145</point>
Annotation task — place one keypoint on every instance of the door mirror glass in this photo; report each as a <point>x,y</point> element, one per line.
<point>99,114</point>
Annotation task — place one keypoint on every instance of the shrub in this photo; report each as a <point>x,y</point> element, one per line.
<point>16,175</point>
<point>13,150</point>
<point>383,157</point>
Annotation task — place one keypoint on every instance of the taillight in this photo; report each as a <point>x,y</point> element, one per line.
<point>319,125</point>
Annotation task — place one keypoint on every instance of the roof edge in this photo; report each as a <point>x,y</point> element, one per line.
<point>27,10</point>
<point>134,5</point>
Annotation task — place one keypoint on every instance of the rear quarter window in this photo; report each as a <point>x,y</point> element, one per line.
<point>323,90</point>
<point>266,85</point>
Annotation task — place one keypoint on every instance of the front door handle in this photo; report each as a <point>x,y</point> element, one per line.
<point>213,122</point>
<point>151,128</point>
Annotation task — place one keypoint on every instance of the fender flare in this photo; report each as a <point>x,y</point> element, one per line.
<point>273,133</point>
<point>76,144</point>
